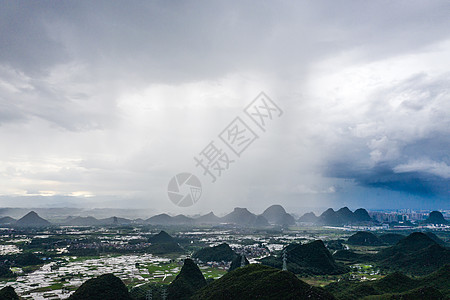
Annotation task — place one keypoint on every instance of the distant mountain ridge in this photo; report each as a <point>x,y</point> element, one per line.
<point>343,216</point>
<point>274,215</point>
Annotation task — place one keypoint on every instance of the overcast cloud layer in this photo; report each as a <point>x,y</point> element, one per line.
<point>101,103</point>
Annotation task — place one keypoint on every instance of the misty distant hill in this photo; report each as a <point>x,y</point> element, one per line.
<point>60,213</point>
<point>32,219</point>
<point>241,216</point>
<point>161,219</point>
<point>115,221</point>
<point>308,218</point>
<point>81,221</point>
<point>209,218</point>
<point>7,220</point>
<point>182,219</point>
<point>276,214</point>
<point>165,219</point>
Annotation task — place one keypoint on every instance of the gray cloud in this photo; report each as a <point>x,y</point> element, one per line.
<point>112,99</point>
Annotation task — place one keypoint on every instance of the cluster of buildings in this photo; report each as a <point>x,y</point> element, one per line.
<point>402,215</point>
<point>253,251</point>
<point>109,245</point>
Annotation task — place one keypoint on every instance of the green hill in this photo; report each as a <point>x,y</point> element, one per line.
<point>335,244</point>
<point>436,217</point>
<point>221,252</point>
<point>391,238</point>
<point>259,282</point>
<point>141,291</point>
<point>238,261</point>
<point>412,243</point>
<point>5,272</point>
<point>8,293</point>
<point>439,280</point>
<point>395,286</point>
<point>163,243</point>
<point>422,262</point>
<point>416,254</point>
<point>349,256</point>
<point>21,259</point>
<point>435,238</point>
<point>364,238</point>
<point>188,281</point>
<point>308,259</point>
<point>104,287</point>
<point>420,293</point>
<point>161,237</point>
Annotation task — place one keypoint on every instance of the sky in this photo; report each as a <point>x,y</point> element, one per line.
<point>103,103</point>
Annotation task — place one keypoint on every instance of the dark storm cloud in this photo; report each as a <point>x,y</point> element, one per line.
<point>171,41</point>
<point>408,149</point>
<point>383,176</point>
<point>25,43</point>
